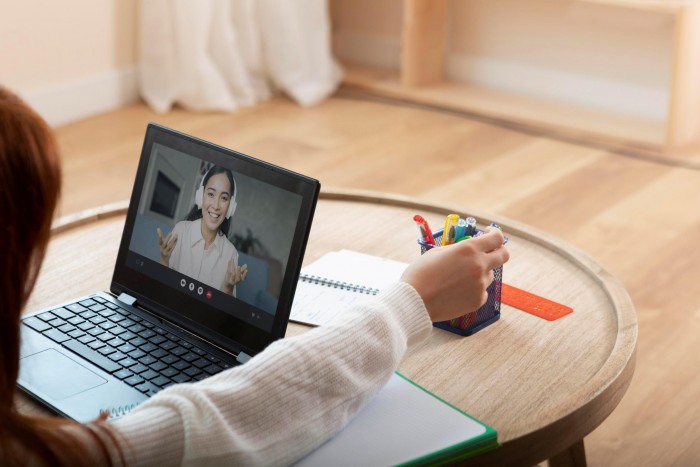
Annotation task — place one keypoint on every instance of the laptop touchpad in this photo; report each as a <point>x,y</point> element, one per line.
<point>55,375</point>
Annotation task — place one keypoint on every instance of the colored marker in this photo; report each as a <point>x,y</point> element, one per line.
<point>461,228</point>
<point>466,237</point>
<point>450,230</point>
<point>471,226</point>
<point>426,235</point>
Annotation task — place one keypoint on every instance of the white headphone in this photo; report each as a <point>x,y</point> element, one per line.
<point>199,195</point>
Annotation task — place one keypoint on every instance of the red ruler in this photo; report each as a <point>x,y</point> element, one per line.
<point>538,306</point>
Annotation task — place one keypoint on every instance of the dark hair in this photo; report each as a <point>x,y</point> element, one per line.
<point>30,181</point>
<point>196,213</point>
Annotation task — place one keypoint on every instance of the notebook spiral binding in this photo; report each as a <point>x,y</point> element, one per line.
<point>338,284</point>
<point>118,412</point>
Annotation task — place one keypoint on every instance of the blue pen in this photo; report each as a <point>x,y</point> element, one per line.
<point>471,226</point>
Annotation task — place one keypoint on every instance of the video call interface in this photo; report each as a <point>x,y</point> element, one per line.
<point>216,235</point>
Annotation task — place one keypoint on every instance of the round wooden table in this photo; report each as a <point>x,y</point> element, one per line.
<point>543,385</point>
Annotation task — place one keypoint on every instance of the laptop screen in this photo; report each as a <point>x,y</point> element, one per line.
<point>214,239</point>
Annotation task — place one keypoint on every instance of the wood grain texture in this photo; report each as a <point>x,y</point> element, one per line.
<point>542,385</point>
<point>575,456</point>
<point>638,218</point>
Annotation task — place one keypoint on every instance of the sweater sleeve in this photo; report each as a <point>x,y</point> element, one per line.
<point>286,401</point>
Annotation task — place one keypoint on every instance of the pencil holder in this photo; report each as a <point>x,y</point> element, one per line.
<point>477,320</point>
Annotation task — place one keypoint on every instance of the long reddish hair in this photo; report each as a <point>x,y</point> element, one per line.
<point>30,183</point>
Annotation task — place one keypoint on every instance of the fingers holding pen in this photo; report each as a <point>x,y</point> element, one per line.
<point>491,244</point>
<point>491,241</point>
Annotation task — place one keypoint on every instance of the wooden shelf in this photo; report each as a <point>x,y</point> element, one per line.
<point>421,79</point>
<point>561,119</point>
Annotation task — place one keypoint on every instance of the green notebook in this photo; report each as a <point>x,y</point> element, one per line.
<point>404,424</point>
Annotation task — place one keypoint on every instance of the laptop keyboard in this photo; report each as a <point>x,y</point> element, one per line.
<point>131,348</point>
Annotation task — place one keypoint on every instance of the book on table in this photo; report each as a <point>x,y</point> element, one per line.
<point>404,424</point>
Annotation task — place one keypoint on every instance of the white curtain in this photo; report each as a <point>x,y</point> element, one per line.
<point>223,54</point>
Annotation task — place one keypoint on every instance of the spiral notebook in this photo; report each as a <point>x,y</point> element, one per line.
<point>340,279</point>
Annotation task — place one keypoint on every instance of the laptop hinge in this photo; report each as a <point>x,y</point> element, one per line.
<point>126,298</point>
<point>243,357</point>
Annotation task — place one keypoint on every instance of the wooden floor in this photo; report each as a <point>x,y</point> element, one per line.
<point>639,218</point>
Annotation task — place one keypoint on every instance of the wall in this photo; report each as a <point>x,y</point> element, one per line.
<point>71,59</point>
<point>600,56</point>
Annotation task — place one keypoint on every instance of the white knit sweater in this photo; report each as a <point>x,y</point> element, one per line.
<point>287,400</point>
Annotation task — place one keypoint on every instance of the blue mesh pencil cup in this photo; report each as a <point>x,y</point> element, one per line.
<point>473,321</point>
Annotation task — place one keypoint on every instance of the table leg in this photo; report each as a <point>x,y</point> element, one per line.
<point>574,456</point>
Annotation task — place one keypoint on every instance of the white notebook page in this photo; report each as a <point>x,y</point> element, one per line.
<point>401,423</point>
<point>316,304</point>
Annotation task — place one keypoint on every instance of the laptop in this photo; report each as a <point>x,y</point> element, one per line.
<point>174,312</point>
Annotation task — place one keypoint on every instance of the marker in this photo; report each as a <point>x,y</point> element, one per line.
<point>471,226</point>
<point>450,230</point>
<point>426,235</point>
<point>461,228</point>
<point>466,237</point>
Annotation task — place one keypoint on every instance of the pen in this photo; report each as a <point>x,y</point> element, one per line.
<point>471,226</point>
<point>461,228</point>
<point>426,235</point>
<point>448,234</point>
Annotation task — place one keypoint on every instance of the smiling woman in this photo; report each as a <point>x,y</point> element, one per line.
<point>199,246</point>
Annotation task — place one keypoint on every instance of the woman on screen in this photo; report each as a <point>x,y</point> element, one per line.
<point>199,246</point>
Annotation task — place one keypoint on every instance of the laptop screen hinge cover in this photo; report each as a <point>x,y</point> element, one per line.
<point>126,298</point>
<point>243,357</point>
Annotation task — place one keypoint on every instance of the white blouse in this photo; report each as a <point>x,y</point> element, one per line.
<point>191,259</point>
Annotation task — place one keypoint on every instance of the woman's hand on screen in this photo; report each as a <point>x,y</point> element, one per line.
<point>234,275</point>
<point>167,245</point>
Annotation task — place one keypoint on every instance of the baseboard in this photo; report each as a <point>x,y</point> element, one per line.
<point>67,102</point>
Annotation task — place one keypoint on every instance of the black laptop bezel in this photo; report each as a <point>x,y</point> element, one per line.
<point>185,311</point>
